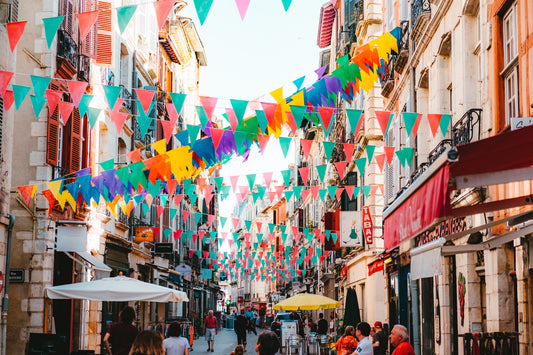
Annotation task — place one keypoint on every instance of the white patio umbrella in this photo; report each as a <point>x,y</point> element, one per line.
<point>117,289</point>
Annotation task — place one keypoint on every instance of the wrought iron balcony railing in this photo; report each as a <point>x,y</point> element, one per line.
<point>58,171</point>
<point>420,14</point>
<point>67,48</point>
<point>84,67</point>
<point>490,343</point>
<point>128,98</point>
<point>403,49</point>
<point>387,83</point>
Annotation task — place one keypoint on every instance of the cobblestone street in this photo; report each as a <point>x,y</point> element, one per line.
<point>225,343</point>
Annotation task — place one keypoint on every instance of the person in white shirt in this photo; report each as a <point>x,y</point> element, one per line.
<point>364,347</point>
<point>175,344</point>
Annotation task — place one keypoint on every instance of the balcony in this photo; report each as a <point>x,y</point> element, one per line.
<point>420,14</point>
<point>387,83</point>
<point>58,172</point>
<point>67,55</point>
<point>128,99</point>
<point>403,49</point>
<point>490,343</point>
<point>84,68</point>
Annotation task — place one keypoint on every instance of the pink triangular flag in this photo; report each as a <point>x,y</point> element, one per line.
<point>263,139</point>
<point>86,20</point>
<point>216,135</point>
<point>162,9</point>
<point>9,98</point>
<point>14,32</point>
<point>168,129</point>
<point>279,190</point>
<point>270,110</point>
<point>185,214</point>
<point>244,189</point>
<point>209,104</point>
<point>326,113</point>
<point>76,89</point>
<point>304,173</point>
<point>208,197</point>
<point>232,118</point>
<point>178,198</point>
<point>306,146</point>
<point>314,191</point>
<point>341,166</point>
<point>272,195</point>
<point>305,193</point>
<point>348,150</point>
<point>53,97</point>
<point>171,110</point>
<point>383,118</point>
<point>434,122</point>
<point>389,152</point>
<point>5,78</point>
<point>118,118</point>
<point>380,159</point>
<point>259,226</point>
<point>338,193</point>
<point>145,97</point>
<point>65,108</point>
<point>236,222</point>
<point>373,190</point>
<point>234,180</point>
<point>349,190</point>
<point>268,178</point>
<point>242,6</point>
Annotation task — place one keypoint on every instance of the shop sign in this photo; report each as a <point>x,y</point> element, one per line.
<point>240,299</point>
<point>351,232</point>
<point>375,266</point>
<point>17,275</point>
<point>520,122</point>
<point>368,227</point>
<point>442,230</point>
<point>144,234</point>
<point>164,248</point>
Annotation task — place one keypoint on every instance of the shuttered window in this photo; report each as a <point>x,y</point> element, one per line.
<point>66,8</point>
<point>75,141</point>
<point>52,146</point>
<point>104,34</point>
<point>87,45</point>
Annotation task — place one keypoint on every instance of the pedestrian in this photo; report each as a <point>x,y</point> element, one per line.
<point>210,330</point>
<point>332,328</point>
<point>364,346</point>
<point>175,344</point>
<point>241,325</point>
<point>148,342</point>
<point>239,350</point>
<point>267,343</point>
<point>400,340</point>
<point>346,343</point>
<point>262,314</point>
<point>379,339</point>
<point>322,328</point>
<point>122,333</point>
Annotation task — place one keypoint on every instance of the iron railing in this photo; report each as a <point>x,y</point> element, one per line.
<point>498,343</point>
<point>84,67</point>
<point>468,128</point>
<point>403,48</point>
<point>59,171</point>
<point>387,82</point>
<point>67,48</point>
<point>128,98</point>
<point>419,8</point>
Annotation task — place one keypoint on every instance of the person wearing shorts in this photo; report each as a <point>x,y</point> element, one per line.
<point>210,330</point>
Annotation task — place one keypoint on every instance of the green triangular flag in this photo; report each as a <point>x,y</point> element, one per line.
<point>37,103</point>
<point>328,149</point>
<point>239,107</point>
<point>240,140</point>
<point>401,156</point>
<point>193,198</point>
<point>186,185</point>
<point>356,191</point>
<point>283,228</point>
<point>366,190</point>
<point>409,119</point>
<point>262,120</point>
<point>332,190</point>
<point>271,227</point>
<point>202,9</point>
<point>285,143</point>
<point>261,190</point>
<point>313,116</point>
<point>353,117</point>
<point>143,120</point>
<point>223,221</point>
<point>145,208</point>
<point>219,181</point>
<point>112,93</point>
<point>297,191</point>
<point>51,25</point>
<point>255,196</point>
<point>361,164</point>
<point>202,116</point>
<point>251,180</point>
<point>191,189</point>
<point>163,199</point>
<point>328,234</point>
<point>408,153</point>
<point>84,104</point>
<point>177,100</point>
<point>343,60</point>
<point>173,212</point>
<point>322,194</point>
<point>370,152</point>
<point>193,133</point>
<point>248,224</point>
<point>288,195</point>
<point>124,15</point>
<point>93,116</point>
<point>286,174</point>
<point>108,164</point>
<point>20,92</point>
<point>334,237</point>
<point>321,169</point>
<point>445,123</point>
<point>298,113</point>
<point>40,84</point>
<point>286,4</point>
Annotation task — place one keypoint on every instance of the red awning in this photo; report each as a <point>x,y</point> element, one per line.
<point>507,157</point>
<point>325,25</point>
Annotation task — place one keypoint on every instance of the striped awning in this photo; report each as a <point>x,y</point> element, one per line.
<point>325,25</point>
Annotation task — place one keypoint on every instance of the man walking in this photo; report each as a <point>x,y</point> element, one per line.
<point>210,330</point>
<point>322,325</point>
<point>380,339</point>
<point>364,346</point>
<point>400,340</point>
<point>240,326</point>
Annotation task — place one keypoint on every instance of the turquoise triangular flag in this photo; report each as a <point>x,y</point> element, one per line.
<point>298,113</point>
<point>93,116</point>
<point>298,82</point>
<point>262,120</point>
<point>51,25</point>
<point>408,153</point>
<point>223,221</point>
<point>202,9</point>
<point>286,174</point>
<point>40,84</point>
<point>124,15</point>
<point>285,143</point>
<point>143,120</point>
<point>353,117</point>
<point>356,191</point>
<point>297,191</point>
<point>145,208</point>
<point>261,190</point>
<point>366,190</point>
<point>401,156</point>
<point>445,123</point>
<point>20,92</point>
<point>328,149</point>
<point>332,190</point>
<point>202,116</point>
<point>255,196</point>
<point>163,198</point>
<point>248,224</point>
<point>334,237</point>
<point>172,212</point>
<point>361,164</point>
<point>193,133</point>
<point>219,181</point>
<point>288,195</point>
<point>193,198</point>
<point>239,107</point>
<point>83,106</point>
<point>112,93</point>
<point>286,4</point>
<point>322,194</point>
<point>37,103</point>
<point>251,180</point>
<point>321,169</point>
<point>370,152</point>
<point>177,100</point>
<point>108,164</point>
<point>271,227</point>
<point>409,119</point>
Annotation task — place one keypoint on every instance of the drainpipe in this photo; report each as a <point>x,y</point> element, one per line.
<point>416,317</point>
<point>6,281</point>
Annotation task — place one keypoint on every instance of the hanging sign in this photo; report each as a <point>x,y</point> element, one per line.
<point>368,227</point>
<point>375,266</point>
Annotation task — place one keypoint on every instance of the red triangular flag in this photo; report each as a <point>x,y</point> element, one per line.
<point>185,214</point>
<point>259,226</point>
<point>348,150</point>
<point>232,118</point>
<point>434,122</point>
<point>76,89</point>
<point>168,128</point>
<point>159,211</point>
<point>14,32</point>
<point>86,20</point>
<point>325,114</point>
<point>26,193</point>
<point>306,146</point>
<point>268,178</point>
<point>304,173</point>
<point>53,97</point>
<point>314,191</point>
<point>305,193</point>
<point>341,166</point>
<point>145,97</point>
<point>178,198</point>
<point>134,156</point>
<point>380,159</point>
<point>216,135</point>
<point>416,125</point>
<point>5,78</point>
<point>9,98</point>
<point>65,109</point>
<point>172,113</point>
<point>383,120</point>
<point>262,139</point>
<point>162,9</point>
<point>209,104</point>
<point>349,190</point>
<point>338,193</point>
<point>389,152</point>
<point>270,111</point>
<point>177,234</point>
<point>210,217</point>
<point>291,122</point>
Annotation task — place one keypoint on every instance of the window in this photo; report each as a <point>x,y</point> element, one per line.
<point>510,71</point>
<point>510,49</point>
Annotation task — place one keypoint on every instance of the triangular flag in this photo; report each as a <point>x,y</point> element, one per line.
<point>349,190</point>
<point>162,9</point>
<point>202,9</point>
<point>76,89</point>
<point>51,25</point>
<point>417,125</point>
<point>366,190</point>
<point>361,164</point>
<point>261,120</point>
<point>65,109</point>
<point>326,116</point>
<point>37,103</point>
<point>39,83</point>
<point>285,143</point>
<point>370,152</point>
<point>86,20</point>
<point>389,153</point>
<point>445,123</point>
<point>53,97</point>
<point>408,153</point>
<point>145,97</point>
<point>380,159</point>
<point>216,135</point>
<point>348,150</point>
<point>409,119</point>
<point>209,104</point>
<point>168,128</point>
<point>83,106</point>
<point>286,4</point>
<point>177,98</point>
<point>268,178</point>
<point>239,106</point>
<point>383,118</point>
<point>160,146</point>
<point>434,122</point>
<point>304,173</point>
<point>5,78</point>
<point>298,82</point>
<point>27,192</point>
<point>112,93</point>
<point>193,133</point>
<point>306,146</point>
<point>321,169</point>
<point>124,15</point>
<point>262,140</point>
<point>119,118</point>
<point>14,32</point>
<point>20,92</point>
<point>401,156</point>
<point>202,116</point>
<point>9,98</point>
<point>328,149</point>
<point>108,164</point>
<point>298,113</point>
<point>93,116</point>
<point>251,180</point>
<point>341,166</point>
<point>331,191</point>
<point>286,174</point>
<point>242,6</point>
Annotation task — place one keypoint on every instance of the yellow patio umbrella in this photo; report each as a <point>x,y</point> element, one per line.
<point>306,302</point>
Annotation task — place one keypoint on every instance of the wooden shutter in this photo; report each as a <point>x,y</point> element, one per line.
<point>104,34</point>
<point>52,138</point>
<point>87,46</point>
<point>75,141</point>
<point>85,143</point>
<point>66,8</point>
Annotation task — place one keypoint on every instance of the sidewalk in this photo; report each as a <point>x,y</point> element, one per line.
<point>225,343</point>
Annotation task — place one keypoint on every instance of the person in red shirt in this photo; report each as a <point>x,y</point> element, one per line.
<point>210,330</point>
<point>121,334</point>
<point>400,340</point>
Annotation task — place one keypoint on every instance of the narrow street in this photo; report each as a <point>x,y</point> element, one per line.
<point>225,343</point>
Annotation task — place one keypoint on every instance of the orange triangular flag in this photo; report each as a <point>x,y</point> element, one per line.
<point>65,109</point>
<point>27,192</point>
<point>389,152</point>
<point>14,32</point>
<point>306,146</point>
<point>145,97</point>
<point>380,159</point>
<point>134,156</point>
<point>434,122</point>
<point>86,20</point>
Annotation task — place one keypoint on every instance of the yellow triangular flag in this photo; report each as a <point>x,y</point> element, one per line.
<point>160,146</point>
<point>277,94</point>
<point>298,99</point>
<point>55,187</point>
<point>68,198</point>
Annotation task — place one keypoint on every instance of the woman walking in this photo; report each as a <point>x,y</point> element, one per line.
<point>346,343</point>
<point>175,344</point>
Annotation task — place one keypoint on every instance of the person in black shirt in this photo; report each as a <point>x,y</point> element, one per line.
<point>379,340</point>
<point>322,328</point>
<point>240,326</point>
